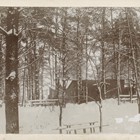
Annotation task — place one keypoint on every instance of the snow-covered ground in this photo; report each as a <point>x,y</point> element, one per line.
<point>44,120</point>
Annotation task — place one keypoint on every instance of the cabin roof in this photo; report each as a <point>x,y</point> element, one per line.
<point>89,82</point>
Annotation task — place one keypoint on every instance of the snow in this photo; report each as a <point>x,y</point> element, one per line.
<point>11,31</point>
<point>136,118</point>
<point>12,75</point>
<point>121,118</point>
<point>23,44</point>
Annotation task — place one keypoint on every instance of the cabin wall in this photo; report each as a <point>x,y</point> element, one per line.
<point>93,93</point>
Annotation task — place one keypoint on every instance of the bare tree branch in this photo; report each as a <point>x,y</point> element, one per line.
<point>2,31</point>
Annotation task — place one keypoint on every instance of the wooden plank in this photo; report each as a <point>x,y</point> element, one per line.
<point>90,123</point>
<point>128,96</point>
<point>125,99</point>
<point>44,103</point>
<point>124,96</point>
<point>47,100</point>
<point>134,96</point>
<point>134,99</point>
<point>52,100</point>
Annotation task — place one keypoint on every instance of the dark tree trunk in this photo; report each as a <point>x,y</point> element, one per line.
<point>41,80</point>
<point>100,109</point>
<point>62,95</point>
<point>23,96</point>
<point>101,118</point>
<point>79,61</point>
<point>60,117</point>
<point>86,88</point>
<point>12,87</point>
<point>118,68</point>
<point>1,69</point>
<point>36,72</point>
<point>134,56</point>
<point>114,48</point>
<point>103,56</point>
<point>30,74</point>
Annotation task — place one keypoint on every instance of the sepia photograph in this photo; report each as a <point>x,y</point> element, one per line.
<point>69,70</point>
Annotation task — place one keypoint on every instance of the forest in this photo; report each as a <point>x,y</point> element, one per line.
<point>43,48</point>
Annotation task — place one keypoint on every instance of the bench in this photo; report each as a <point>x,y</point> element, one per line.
<point>84,129</point>
<point>88,124</point>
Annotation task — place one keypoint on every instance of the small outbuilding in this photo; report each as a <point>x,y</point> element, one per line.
<point>90,89</point>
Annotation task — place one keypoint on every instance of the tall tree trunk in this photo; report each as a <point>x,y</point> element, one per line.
<point>32,84</point>
<point>79,59</point>
<point>103,55</point>
<point>101,118</point>
<point>35,70</point>
<point>41,68</point>
<point>23,95</point>
<point>56,58</point>
<point>60,117</point>
<point>100,108</point>
<point>134,59</point>
<point>42,72</point>
<point>114,48</point>
<point>118,75</point>
<point>56,77</point>
<point>62,97</point>
<point>28,74</point>
<point>129,78</point>
<point>1,69</point>
<point>12,87</point>
<point>86,87</point>
<point>120,33</point>
<point>27,85</point>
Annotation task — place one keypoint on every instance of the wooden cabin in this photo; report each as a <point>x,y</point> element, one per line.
<point>92,90</point>
<point>52,93</point>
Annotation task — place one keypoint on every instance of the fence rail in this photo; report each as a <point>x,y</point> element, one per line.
<point>47,102</point>
<point>130,98</point>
